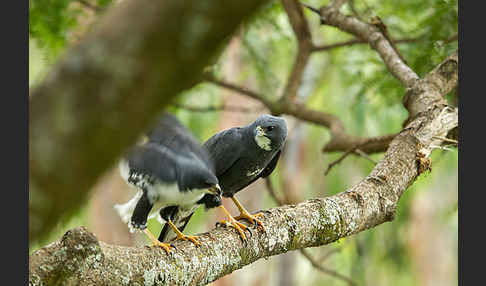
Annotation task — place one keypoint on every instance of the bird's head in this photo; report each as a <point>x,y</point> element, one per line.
<point>209,182</point>
<point>197,178</point>
<point>269,132</point>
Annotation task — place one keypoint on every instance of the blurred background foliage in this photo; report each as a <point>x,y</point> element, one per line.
<point>418,248</point>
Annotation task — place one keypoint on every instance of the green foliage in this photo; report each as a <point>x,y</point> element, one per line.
<point>49,21</point>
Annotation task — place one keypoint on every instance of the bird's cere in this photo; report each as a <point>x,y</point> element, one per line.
<point>262,140</point>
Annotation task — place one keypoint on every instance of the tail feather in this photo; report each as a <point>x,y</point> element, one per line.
<point>125,210</point>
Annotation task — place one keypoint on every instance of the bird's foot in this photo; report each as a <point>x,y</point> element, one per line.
<point>252,218</point>
<point>156,242</point>
<point>237,225</point>
<point>165,246</point>
<point>194,239</point>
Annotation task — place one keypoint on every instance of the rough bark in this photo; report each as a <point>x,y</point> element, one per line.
<point>80,259</point>
<point>109,87</point>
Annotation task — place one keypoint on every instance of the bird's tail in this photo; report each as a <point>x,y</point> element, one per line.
<point>125,210</point>
<point>180,219</point>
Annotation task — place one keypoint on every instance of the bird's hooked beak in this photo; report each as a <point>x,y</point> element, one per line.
<point>215,190</point>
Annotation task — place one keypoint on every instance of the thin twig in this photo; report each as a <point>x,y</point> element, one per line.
<point>352,150</point>
<point>364,155</point>
<point>328,254</point>
<point>441,148</point>
<point>357,42</point>
<point>210,78</point>
<point>342,157</point>
<point>324,269</point>
<point>219,108</point>
<point>446,139</point>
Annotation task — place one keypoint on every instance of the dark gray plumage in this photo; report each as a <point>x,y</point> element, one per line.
<point>172,172</point>
<point>244,154</point>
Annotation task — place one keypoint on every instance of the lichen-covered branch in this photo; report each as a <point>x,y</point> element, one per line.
<point>109,87</point>
<point>80,259</point>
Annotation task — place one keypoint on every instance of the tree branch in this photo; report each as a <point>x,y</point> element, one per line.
<point>304,39</point>
<point>372,34</point>
<point>340,141</point>
<point>217,108</point>
<point>109,87</point>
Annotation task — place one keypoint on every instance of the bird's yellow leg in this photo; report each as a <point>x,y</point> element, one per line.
<point>233,223</point>
<point>181,236</point>
<point>244,214</point>
<point>156,242</point>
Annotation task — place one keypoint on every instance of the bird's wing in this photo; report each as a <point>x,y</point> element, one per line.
<point>180,218</point>
<point>156,161</point>
<point>271,166</point>
<point>170,132</point>
<point>267,171</point>
<point>223,148</point>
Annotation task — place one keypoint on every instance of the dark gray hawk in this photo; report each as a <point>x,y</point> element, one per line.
<point>172,173</point>
<point>241,155</point>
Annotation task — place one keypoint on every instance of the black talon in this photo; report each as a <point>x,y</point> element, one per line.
<point>251,233</point>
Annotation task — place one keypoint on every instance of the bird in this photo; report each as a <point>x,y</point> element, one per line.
<point>172,173</point>
<point>241,156</point>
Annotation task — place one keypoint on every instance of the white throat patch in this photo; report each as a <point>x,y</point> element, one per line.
<point>261,140</point>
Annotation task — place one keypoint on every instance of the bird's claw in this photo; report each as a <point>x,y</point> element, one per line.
<point>157,243</point>
<point>194,239</point>
<point>165,246</point>
<point>237,225</point>
<point>252,218</point>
